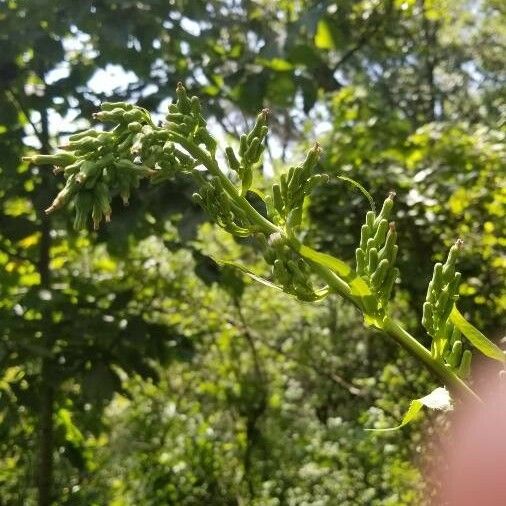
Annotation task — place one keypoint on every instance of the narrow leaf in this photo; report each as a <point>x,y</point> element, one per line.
<point>321,293</point>
<point>335,264</point>
<point>364,192</point>
<point>475,337</point>
<point>358,285</point>
<point>250,274</point>
<point>438,399</point>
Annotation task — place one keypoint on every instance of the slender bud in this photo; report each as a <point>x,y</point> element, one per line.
<point>360,261</point>
<point>183,102</point>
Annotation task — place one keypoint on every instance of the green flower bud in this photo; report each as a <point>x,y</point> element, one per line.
<point>83,207</point>
<point>386,290</point>
<point>388,205</point>
<point>294,218</point>
<point>61,158</point>
<point>278,199</point>
<point>360,261</point>
<point>291,180</point>
<point>388,249</point>
<point>243,146</point>
<point>197,198</point>
<point>437,278</point>
<point>175,117</point>
<point>109,116</point>
<point>428,316</point>
<point>381,232</point>
<point>270,256</point>
<point>135,115</point>
<point>86,144</point>
<point>370,217</point>
<point>111,106</point>
<point>281,273</point>
<point>260,122</point>
<point>252,150</point>
<point>88,170</point>
<point>204,137</point>
<point>312,157</point>
<point>442,299</point>
<point>183,102</point>
<point>372,261</point>
<point>364,236</point>
<point>72,169</point>
<point>183,158</point>
<point>85,133</point>
<point>233,162</point>
<point>64,195</point>
<point>379,275</point>
<point>455,335</point>
<point>134,126</point>
<point>284,190</point>
<point>455,356</point>
<point>102,199</point>
<point>196,109</point>
<point>465,365</point>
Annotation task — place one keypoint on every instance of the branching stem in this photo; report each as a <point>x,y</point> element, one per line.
<point>389,326</point>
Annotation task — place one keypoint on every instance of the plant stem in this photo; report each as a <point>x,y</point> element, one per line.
<point>45,470</point>
<point>389,326</point>
<point>395,330</point>
<point>458,387</point>
<point>212,166</point>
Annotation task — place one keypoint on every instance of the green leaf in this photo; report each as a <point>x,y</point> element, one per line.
<point>366,194</point>
<point>475,337</point>
<point>335,264</point>
<point>250,274</point>
<point>323,37</point>
<point>357,284</point>
<point>438,399</point>
<point>320,293</point>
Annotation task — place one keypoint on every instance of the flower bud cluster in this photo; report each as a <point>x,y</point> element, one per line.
<point>442,293</point>
<point>185,118</point>
<point>290,270</point>
<point>288,195</point>
<point>377,253</point>
<point>98,164</point>
<point>250,150</point>
<point>222,209</point>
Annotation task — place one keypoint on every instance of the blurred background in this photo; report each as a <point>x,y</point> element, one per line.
<point>136,371</point>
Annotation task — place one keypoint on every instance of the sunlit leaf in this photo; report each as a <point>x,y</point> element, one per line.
<point>438,399</point>
<point>475,337</point>
<point>323,37</point>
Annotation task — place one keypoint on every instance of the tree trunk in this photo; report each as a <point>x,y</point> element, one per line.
<point>44,470</point>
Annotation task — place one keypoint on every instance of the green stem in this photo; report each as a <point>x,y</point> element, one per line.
<point>212,166</point>
<point>389,326</point>
<point>458,387</point>
<point>335,283</point>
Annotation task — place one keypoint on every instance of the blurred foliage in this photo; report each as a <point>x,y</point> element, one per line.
<point>171,380</point>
